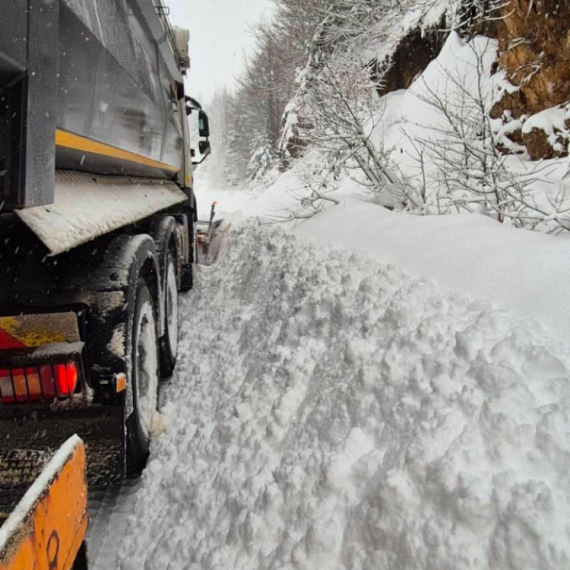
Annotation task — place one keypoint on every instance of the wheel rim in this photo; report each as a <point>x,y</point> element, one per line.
<point>146,368</point>
<point>172,309</point>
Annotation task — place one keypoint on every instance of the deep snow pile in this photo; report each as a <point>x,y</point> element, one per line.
<point>526,273</point>
<point>331,412</point>
<point>523,272</point>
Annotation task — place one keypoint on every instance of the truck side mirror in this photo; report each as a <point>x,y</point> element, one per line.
<point>191,105</point>
<point>204,148</point>
<point>203,125</point>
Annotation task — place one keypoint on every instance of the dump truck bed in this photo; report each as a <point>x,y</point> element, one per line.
<point>101,79</point>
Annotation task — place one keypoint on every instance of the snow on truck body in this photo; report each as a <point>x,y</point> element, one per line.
<point>96,220</point>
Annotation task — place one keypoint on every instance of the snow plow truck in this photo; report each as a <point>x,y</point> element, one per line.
<point>97,223</point>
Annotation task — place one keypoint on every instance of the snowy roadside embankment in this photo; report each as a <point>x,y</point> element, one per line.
<point>331,412</point>
<point>525,272</point>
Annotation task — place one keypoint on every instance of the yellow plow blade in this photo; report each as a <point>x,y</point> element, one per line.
<point>46,528</point>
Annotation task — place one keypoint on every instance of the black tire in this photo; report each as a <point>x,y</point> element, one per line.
<point>144,379</point>
<point>169,341</point>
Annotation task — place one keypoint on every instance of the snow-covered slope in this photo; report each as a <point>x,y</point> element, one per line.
<point>331,412</point>
<point>524,272</point>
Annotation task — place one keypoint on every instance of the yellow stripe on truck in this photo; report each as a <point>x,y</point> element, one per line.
<point>75,142</point>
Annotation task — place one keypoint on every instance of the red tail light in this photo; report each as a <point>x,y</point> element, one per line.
<point>66,378</point>
<point>47,383</point>
<point>33,384</point>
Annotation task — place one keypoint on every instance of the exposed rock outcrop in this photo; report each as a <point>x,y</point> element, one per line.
<point>534,44</point>
<point>534,51</point>
<point>413,54</point>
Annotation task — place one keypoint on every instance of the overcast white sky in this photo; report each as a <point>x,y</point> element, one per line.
<point>218,37</point>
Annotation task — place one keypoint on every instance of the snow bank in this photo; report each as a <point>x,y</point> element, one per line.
<point>331,412</point>
<point>517,270</point>
<point>523,272</point>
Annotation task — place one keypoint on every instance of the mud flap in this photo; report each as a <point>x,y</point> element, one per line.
<point>102,428</point>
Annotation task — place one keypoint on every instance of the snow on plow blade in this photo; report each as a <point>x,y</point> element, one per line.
<point>43,507</point>
<point>42,430</point>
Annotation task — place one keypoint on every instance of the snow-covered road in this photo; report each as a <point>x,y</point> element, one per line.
<point>331,412</point>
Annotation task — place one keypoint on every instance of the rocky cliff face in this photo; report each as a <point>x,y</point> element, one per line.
<point>534,51</point>
<point>534,41</point>
<point>412,55</point>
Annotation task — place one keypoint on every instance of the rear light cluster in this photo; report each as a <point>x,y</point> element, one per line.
<point>38,383</point>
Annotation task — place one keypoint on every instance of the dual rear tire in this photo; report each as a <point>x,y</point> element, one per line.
<point>169,341</point>
<point>150,360</point>
<point>144,378</point>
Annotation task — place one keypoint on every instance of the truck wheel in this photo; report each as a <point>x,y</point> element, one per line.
<point>144,379</point>
<point>169,342</point>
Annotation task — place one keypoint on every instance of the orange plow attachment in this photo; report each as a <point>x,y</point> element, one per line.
<point>43,509</point>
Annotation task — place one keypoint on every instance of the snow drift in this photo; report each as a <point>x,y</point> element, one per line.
<point>331,412</point>
<point>526,273</point>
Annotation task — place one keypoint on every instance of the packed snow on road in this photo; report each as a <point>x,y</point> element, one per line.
<point>331,411</point>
